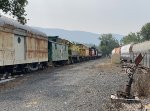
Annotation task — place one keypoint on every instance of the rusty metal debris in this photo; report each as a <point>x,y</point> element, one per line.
<point>126,95</point>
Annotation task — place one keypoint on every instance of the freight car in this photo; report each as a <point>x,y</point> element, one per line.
<point>73,53</point>
<point>126,50</point>
<point>25,49</point>
<point>144,49</point>
<point>73,50</point>
<point>131,51</point>
<point>93,52</point>
<point>57,52</point>
<point>21,47</point>
<point>83,52</point>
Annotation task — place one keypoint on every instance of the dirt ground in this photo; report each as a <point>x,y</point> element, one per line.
<point>83,86</point>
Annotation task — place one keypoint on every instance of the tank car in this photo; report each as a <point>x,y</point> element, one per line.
<point>143,48</point>
<point>126,51</point>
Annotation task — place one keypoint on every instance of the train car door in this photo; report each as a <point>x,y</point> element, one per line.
<point>19,47</point>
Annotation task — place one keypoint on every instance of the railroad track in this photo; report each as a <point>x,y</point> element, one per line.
<point>8,77</point>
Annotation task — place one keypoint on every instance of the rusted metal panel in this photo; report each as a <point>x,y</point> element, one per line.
<point>6,49</point>
<point>42,49</point>
<point>8,46</point>
<point>37,49</point>
<point>141,47</point>
<point>31,49</point>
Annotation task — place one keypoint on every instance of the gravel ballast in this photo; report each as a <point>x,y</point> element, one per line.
<point>83,86</point>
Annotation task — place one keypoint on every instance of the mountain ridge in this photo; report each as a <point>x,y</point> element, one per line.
<point>75,35</point>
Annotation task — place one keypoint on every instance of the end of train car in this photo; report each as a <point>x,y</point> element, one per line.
<point>57,51</point>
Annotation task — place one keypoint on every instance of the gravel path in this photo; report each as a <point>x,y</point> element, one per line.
<point>79,87</point>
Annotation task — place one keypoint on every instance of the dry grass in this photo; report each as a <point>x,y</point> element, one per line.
<point>113,107</point>
<point>142,83</point>
<point>104,65</point>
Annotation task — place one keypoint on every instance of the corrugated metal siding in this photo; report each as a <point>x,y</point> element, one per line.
<point>146,60</point>
<point>141,47</point>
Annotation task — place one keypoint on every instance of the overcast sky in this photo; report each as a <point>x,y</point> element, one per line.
<point>100,16</point>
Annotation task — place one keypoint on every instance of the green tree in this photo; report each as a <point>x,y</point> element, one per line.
<point>145,32</point>
<point>15,8</point>
<point>131,37</point>
<point>108,43</point>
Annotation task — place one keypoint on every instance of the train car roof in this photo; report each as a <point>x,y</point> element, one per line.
<point>141,47</point>
<point>4,21</point>
<point>126,48</point>
<point>57,42</point>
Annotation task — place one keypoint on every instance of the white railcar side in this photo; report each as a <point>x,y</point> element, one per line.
<point>20,45</point>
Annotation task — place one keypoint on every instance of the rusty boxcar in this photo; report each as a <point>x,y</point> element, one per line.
<point>21,47</point>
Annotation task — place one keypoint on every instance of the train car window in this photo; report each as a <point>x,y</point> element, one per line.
<point>19,40</point>
<point>55,46</point>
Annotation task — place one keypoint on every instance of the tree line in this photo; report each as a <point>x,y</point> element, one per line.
<point>108,42</point>
<point>142,35</point>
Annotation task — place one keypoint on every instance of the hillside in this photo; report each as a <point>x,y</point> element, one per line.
<point>76,36</point>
